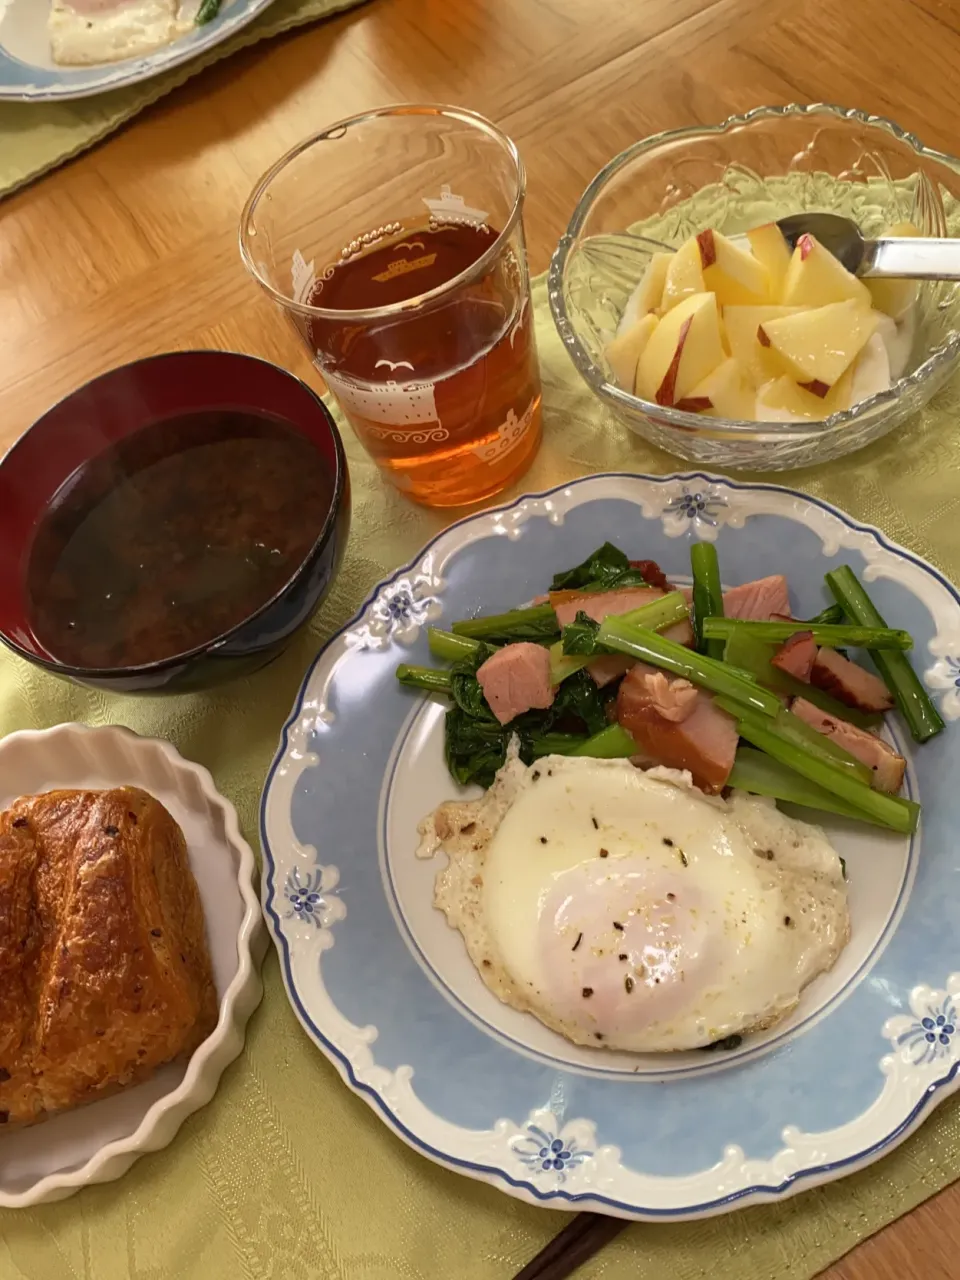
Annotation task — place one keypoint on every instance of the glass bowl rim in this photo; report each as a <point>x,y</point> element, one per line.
<point>215,644</point>
<point>334,132</point>
<point>664,414</point>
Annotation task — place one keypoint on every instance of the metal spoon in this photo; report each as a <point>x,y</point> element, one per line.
<point>892,257</point>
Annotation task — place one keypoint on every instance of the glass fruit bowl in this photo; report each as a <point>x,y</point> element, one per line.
<point>749,170</point>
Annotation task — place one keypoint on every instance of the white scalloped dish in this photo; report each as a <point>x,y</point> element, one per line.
<point>99,1142</point>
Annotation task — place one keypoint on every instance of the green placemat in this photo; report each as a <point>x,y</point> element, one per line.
<point>37,136</point>
<point>286,1174</point>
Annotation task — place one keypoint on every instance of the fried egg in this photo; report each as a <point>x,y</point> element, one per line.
<point>90,31</point>
<point>627,910</point>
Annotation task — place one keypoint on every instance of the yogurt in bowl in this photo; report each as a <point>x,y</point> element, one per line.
<point>760,333</point>
<point>737,177</point>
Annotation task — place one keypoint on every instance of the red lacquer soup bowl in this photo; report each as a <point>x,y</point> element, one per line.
<point>172,523</point>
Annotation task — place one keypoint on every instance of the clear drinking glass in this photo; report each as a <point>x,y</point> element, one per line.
<point>394,242</point>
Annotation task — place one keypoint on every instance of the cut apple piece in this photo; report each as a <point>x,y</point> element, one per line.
<point>870,372</point>
<point>624,351</point>
<point>818,346</point>
<point>895,297</point>
<point>783,400</point>
<point>722,394</point>
<point>682,350</point>
<point>773,253</point>
<point>684,277</point>
<point>646,296</point>
<point>741,325</point>
<point>734,274</point>
<point>815,278</point>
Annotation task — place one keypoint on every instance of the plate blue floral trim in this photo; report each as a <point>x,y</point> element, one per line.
<point>384,989</point>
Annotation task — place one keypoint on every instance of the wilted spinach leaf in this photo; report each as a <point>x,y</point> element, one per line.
<point>578,698</point>
<point>608,569</point>
<point>580,636</point>
<point>474,748</point>
<point>466,688</point>
<point>606,565</point>
<point>475,743</point>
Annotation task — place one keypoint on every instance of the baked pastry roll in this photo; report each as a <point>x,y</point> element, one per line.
<point>104,969</point>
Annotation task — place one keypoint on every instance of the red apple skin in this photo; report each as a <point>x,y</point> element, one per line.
<point>667,389</point>
<point>708,249</point>
<point>694,404</point>
<point>816,388</point>
<point>805,245</point>
<point>762,336</point>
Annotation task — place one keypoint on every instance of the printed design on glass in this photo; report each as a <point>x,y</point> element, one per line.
<point>365,241</point>
<point>307,286</point>
<point>509,435</point>
<point>551,1152</point>
<point>393,366</point>
<point>517,325</point>
<point>401,266</point>
<point>449,208</point>
<point>930,1035</point>
<point>405,409</point>
<point>304,278</point>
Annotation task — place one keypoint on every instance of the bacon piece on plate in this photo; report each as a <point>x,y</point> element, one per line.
<point>888,767</point>
<point>607,667</point>
<point>758,601</point>
<point>516,679</point>
<point>601,604</point>
<point>849,683</point>
<point>703,741</point>
<point>796,656</point>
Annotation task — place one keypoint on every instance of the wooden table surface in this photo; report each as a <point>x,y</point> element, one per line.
<point>132,249</point>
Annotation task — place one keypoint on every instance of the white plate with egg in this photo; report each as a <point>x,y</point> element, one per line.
<point>53,50</point>
<point>388,990</point>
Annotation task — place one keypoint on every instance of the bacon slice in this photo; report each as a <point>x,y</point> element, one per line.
<point>888,767</point>
<point>607,667</point>
<point>516,679</point>
<point>758,601</point>
<point>849,683</point>
<point>704,741</point>
<point>602,604</point>
<point>796,656</point>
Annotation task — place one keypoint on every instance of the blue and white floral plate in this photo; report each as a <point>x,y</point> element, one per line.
<point>384,986</point>
<point>29,74</point>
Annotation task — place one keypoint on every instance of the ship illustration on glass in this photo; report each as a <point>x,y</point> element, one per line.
<point>453,208</point>
<point>405,409</point>
<point>509,434</point>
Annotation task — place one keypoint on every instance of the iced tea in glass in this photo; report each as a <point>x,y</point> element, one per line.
<point>394,242</point>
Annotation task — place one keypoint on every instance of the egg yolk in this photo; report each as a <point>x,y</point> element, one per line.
<point>620,941</point>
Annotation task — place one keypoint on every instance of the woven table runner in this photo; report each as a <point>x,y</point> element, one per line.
<point>286,1175</point>
<point>35,137</point>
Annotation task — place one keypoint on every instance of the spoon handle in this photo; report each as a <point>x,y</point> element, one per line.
<point>911,259</point>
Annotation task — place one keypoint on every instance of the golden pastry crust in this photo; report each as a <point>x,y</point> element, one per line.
<point>104,968</point>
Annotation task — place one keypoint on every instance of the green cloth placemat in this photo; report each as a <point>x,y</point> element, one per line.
<point>286,1174</point>
<point>37,136</point>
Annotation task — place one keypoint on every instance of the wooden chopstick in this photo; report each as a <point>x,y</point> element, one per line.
<point>579,1240</point>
